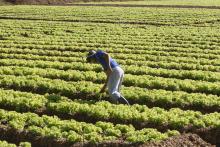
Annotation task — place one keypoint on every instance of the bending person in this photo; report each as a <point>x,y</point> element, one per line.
<point>113,72</point>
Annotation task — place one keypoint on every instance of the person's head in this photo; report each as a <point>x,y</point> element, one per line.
<point>91,57</point>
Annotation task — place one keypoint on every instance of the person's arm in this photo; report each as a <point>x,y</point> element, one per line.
<point>108,70</point>
<point>107,60</point>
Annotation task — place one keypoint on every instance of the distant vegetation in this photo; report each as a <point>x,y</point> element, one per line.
<point>54,2</point>
<point>135,2</point>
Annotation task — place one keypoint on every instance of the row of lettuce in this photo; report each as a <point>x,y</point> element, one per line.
<point>165,49</point>
<point>151,16</point>
<point>133,38</point>
<point>127,62</point>
<point>130,69</point>
<point>18,53</point>
<point>209,47</point>
<point>142,81</point>
<point>169,47</point>
<point>77,54</point>
<point>90,90</point>
<point>139,116</point>
<point>76,51</point>
<point>4,143</point>
<point>74,131</point>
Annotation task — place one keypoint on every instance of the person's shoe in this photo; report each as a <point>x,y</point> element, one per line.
<point>122,100</point>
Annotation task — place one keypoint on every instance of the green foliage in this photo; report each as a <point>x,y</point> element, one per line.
<point>21,144</point>
<point>171,58</point>
<point>25,144</point>
<point>73,131</point>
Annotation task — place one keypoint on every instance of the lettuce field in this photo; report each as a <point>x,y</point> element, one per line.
<point>49,95</point>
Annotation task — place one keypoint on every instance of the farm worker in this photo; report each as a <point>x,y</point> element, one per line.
<point>114,74</point>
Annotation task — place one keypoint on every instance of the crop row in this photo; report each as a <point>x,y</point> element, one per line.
<point>100,39</point>
<point>124,32</point>
<point>79,50</point>
<point>119,36</point>
<point>152,64</point>
<point>88,91</point>
<point>143,81</point>
<point>134,70</point>
<point>74,50</point>
<point>119,56</point>
<point>156,45</point>
<point>145,55</point>
<point>120,43</point>
<point>6,144</point>
<point>74,131</point>
<point>163,50</point>
<point>85,67</point>
<point>112,35</point>
<point>111,14</point>
<point>115,35</point>
<point>138,115</point>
